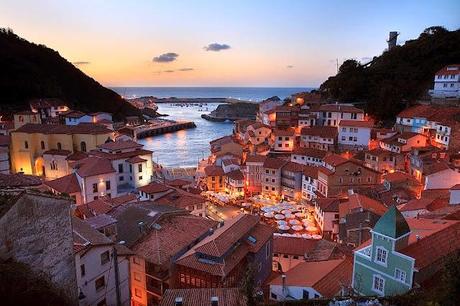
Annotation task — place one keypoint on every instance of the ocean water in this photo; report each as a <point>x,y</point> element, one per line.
<point>185,148</point>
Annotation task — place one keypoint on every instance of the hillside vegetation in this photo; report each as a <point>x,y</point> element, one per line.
<point>32,71</point>
<point>398,77</point>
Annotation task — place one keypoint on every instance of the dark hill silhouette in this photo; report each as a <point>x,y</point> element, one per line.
<point>397,77</point>
<point>29,71</point>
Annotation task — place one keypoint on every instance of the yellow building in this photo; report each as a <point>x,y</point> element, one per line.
<point>214,178</point>
<point>25,117</point>
<point>30,141</point>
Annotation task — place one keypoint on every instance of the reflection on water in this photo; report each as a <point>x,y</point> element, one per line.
<point>185,148</point>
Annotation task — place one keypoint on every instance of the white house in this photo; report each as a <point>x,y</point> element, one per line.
<point>354,133</point>
<point>308,156</point>
<point>454,194</point>
<point>230,164</point>
<point>95,266</point>
<point>332,114</point>
<point>447,82</point>
<point>257,133</point>
<point>309,182</point>
<point>153,191</point>
<point>319,137</point>
<point>327,216</point>
<point>234,183</point>
<point>56,164</point>
<point>133,164</point>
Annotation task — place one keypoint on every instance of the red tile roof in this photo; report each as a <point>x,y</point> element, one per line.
<point>235,175</point>
<point>58,152</point>
<point>336,279</point>
<point>449,70</point>
<point>135,160</point>
<point>308,249</point>
<point>120,145</point>
<point>356,123</point>
<point>310,274</point>
<point>310,171</point>
<point>230,161</point>
<point>181,199</point>
<point>293,167</point>
<point>417,204</point>
<point>274,163</point>
<point>284,132</point>
<point>154,187</point>
<point>320,131</point>
<point>334,160</point>
<point>122,155</point>
<point>436,239</point>
<point>66,184</point>
<point>361,202</point>
<point>223,238</point>
<point>92,166</point>
<point>19,180</point>
<point>255,158</point>
<point>77,155</point>
<point>328,204</point>
<point>316,153</point>
<point>178,183</point>
<point>175,234</point>
<point>104,205</point>
<point>213,170</point>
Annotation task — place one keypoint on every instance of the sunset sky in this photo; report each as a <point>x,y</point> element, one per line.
<point>219,43</point>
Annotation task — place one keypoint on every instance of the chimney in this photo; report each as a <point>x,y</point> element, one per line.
<point>214,301</point>
<point>178,301</point>
<point>284,289</point>
<point>350,192</point>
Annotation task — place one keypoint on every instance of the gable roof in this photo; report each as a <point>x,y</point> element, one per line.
<point>326,277</point>
<point>392,224</point>
<point>316,153</point>
<point>84,236</point>
<point>65,184</point>
<point>274,163</point>
<point>235,175</point>
<point>356,123</point>
<point>361,203</point>
<point>213,170</point>
<point>334,160</point>
<point>320,131</point>
<point>154,187</point>
<point>255,158</point>
<point>313,250</point>
<point>120,145</point>
<point>92,166</point>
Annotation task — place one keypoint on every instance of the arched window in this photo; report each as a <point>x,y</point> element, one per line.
<point>83,146</point>
<point>26,145</point>
<point>59,146</point>
<point>42,144</point>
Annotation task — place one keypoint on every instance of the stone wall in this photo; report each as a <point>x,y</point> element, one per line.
<point>37,231</point>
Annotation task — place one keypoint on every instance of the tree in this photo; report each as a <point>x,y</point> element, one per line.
<point>248,286</point>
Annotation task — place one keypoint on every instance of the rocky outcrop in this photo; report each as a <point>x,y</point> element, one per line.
<point>233,111</point>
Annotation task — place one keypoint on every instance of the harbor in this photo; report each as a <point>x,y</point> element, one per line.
<point>156,127</point>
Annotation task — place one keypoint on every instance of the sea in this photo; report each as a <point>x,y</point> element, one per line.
<point>185,148</point>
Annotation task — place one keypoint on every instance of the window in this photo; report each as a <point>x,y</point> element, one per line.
<point>130,168</point>
<point>139,167</point>
<point>83,146</point>
<point>136,261</point>
<point>305,295</point>
<point>378,285</point>
<point>95,187</point>
<point>42,145</point>
<point>138,292</point>
<point>140,178</point>
<point>99,283</point>
<point>122,178</point>
<point>26,145</point>
<point>107,185</point>
<point>273,296</point>
<point>82,270</point>
<point>381,256</point>
<point>105,257</point>
<point>400,275</point>
<point>95,198</point>
<point>59,146</point>
<point>120,168</point>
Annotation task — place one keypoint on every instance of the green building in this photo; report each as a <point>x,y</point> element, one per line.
<point>380,268</point>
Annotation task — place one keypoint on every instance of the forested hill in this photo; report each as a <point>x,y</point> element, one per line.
<point>28,71</point>
<point>397,77</point>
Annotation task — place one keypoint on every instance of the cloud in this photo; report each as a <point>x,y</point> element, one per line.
<point>289,66</point>
<point>172,71</point>
<point>216,47</point>
<point>166,57</point>
<point>81,63</point>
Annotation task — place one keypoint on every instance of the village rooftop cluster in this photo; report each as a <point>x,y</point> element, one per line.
<point>314,199</point>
